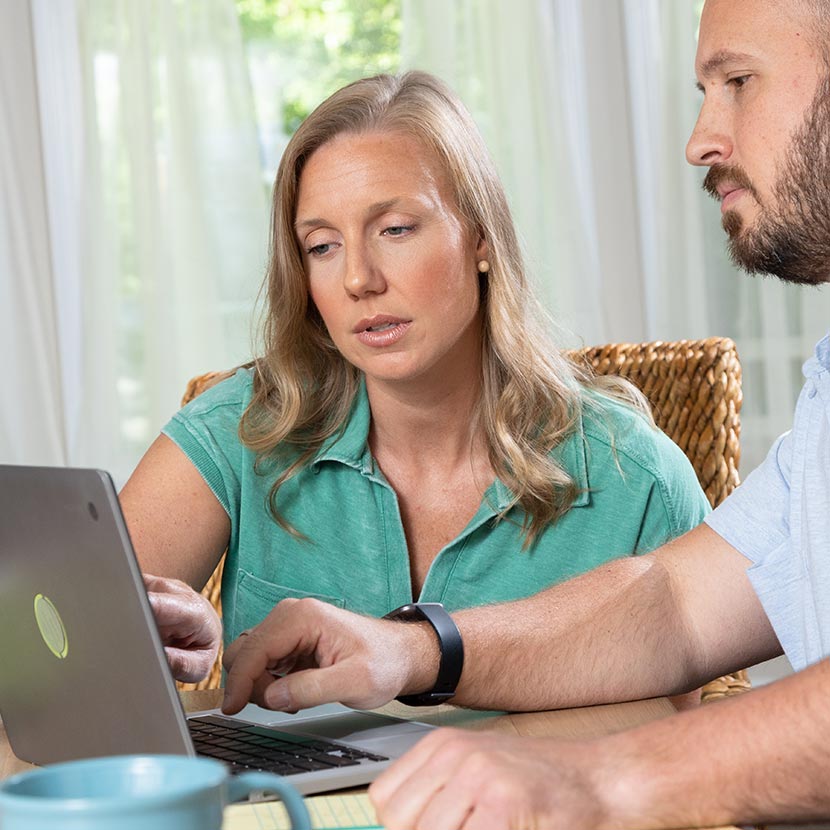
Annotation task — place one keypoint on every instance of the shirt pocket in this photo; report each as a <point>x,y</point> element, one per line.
<point>256,598</point>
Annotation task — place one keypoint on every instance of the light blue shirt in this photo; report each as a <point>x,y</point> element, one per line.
<point>779,518</point>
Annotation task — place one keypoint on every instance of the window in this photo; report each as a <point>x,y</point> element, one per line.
<point>301,51</point>
<point>179,165</point>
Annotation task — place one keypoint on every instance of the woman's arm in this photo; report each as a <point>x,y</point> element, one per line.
<point>177,525</point>
<point>179,531</point>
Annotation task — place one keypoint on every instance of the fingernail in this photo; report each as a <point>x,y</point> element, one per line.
<point>276,696</point>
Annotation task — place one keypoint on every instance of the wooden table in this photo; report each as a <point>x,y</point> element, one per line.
<point>564,723</point>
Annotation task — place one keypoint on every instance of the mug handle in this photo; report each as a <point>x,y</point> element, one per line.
<point>241,785</point>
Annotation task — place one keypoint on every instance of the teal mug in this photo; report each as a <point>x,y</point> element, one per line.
<point>135,792</point>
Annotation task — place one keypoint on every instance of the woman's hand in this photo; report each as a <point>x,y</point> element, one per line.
<point>188,624</point>
<point>307,652</point>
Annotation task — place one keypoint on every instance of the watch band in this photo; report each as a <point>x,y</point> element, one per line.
<point>449,642</point>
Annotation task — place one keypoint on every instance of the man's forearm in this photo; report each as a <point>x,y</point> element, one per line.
<point>634,628</point>
<point>611,635</point>
<point>758,757</point>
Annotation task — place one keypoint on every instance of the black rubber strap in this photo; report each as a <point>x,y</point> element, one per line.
<point>449,642</point>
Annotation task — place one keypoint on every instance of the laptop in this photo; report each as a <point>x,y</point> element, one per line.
<point>82,667</point>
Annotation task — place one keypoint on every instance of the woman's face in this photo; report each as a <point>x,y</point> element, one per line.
<point>391,268</point>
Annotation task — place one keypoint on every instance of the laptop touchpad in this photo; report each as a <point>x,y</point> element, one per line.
<point>355,726</point>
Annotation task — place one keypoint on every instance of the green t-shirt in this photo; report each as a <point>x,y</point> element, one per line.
<point>632,498</point>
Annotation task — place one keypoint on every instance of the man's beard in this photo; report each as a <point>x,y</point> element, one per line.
<point>791,237</point>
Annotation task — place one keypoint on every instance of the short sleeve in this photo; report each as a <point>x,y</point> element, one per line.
<point>657,493</point>
<point>676,505</point>
<point>207,432</point>
<point>754,519</point>
<point>676,502</point>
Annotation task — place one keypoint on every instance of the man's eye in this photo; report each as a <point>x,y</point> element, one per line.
<point>738,81</point>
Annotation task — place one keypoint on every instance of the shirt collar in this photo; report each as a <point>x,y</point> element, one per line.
<point>820,361</point>
<point>350,446</point>
<point>571,455</point>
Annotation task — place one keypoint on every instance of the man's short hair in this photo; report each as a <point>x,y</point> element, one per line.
<point>819,11</point>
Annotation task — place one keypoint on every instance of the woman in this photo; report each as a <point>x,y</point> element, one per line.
<point>410,430</point>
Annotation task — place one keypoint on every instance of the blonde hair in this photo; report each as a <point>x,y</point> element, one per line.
<point>532,395</point>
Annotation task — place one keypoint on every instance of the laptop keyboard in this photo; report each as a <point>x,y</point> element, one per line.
<point>245,747</point>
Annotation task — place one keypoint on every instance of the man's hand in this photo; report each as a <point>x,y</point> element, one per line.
<point>461,780</point>
<point>758,758</point>
<point>326,654</point>
<point>189,626</point>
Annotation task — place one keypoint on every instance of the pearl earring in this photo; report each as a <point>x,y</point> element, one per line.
<point>483,266</point>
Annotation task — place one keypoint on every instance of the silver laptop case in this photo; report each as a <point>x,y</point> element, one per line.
<point>82,670</point>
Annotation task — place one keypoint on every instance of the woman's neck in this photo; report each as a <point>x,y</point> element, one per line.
<point>418,425</point>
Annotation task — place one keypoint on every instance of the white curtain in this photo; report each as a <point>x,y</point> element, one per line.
<point>524,69</point>
<point>586,106</point>
<point>146,221</point>
<point>31,423</point>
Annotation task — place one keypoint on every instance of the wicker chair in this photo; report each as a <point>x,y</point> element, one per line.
<point>694,387</point>
<point>213,588</point>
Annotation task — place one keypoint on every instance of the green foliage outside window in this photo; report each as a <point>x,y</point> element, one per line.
<point>300,51</point>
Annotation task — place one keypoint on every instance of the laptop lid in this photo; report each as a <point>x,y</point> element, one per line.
<point>82,669</point>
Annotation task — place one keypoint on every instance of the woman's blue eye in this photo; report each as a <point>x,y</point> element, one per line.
<point>319,250</point>
<point>397,230</point>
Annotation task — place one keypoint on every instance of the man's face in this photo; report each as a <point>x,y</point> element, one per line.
<point>764,132</point>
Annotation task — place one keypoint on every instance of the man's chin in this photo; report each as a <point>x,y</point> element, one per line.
<point>743,249</point>
<point>785,261</point>
<point>734,224</point>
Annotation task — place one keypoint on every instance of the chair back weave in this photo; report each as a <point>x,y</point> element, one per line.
<point>213,588</point>
<point>694,388</point>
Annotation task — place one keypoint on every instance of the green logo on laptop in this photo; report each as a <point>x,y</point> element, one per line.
<point>51,626</point>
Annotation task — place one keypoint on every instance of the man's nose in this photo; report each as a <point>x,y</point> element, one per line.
<point>710,142</point>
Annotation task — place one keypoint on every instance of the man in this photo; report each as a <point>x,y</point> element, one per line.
<point>733,592</point>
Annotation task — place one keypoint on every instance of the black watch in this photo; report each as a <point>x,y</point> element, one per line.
<point>449,642</point>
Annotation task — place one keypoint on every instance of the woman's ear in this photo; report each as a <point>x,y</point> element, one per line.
<point>482,249</point>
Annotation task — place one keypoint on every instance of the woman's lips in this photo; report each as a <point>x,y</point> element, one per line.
<point>381,331</point>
